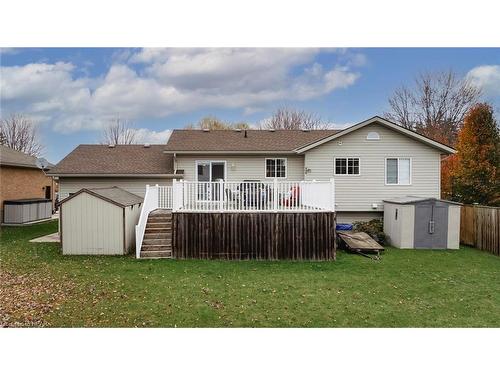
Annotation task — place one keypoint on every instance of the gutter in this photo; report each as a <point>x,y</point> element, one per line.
<point>168,175</point>
<point>270,152</point>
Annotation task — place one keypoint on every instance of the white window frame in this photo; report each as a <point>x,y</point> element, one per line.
<point>279,178</point>
<point>373,133</point>
<point>347,166</point>
<point>210,162</point>
<point>398,158</point>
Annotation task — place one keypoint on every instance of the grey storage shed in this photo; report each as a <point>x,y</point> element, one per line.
<point>22,211</point>
<point>99,221</point>
<point>422,223</point>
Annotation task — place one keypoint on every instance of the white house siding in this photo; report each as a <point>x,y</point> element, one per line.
<point>242,167</point>
<point>137,186</point>
<point>358,193</point>
<point>91,225</point>
<point>132,214</point>
<point>348,217</point>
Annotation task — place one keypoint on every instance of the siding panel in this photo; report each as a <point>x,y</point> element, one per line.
<point>357,193</point>
<point>243,167</point>
<point>91,226</point>
<point>137,186</point>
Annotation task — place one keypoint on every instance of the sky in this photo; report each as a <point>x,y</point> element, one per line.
<point>72,93</point>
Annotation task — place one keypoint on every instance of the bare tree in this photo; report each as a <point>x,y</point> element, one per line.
<point>435,106</point>
<point>18,131</point>
<point>213,123</point>
<point>292,119</point>
<point>119,132</point>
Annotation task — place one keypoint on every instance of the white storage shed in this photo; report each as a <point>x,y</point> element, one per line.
<point>422,223</point>
<point>99,221</point>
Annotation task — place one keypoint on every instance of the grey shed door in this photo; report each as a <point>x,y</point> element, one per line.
<point>428,235</point>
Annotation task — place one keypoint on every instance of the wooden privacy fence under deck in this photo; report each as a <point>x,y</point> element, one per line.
<point>480,227</point>
<point>265,236</point>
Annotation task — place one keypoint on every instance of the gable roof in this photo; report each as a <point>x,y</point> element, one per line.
<point>382,121</point>
<point>114,195</point>
<point>14,158</point>
<point>232,141</point>
<point>120,160</point>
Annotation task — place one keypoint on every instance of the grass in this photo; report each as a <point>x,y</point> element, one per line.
<point>407,288</point>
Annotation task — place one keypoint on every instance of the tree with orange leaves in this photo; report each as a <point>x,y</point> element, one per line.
<point>475,173</point>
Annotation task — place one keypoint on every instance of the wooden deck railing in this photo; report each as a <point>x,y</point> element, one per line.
<point>480,227</point>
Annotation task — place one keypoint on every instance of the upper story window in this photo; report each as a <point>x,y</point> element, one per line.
<point>276,168</point>
<point>398,171</point>
<point>373,136</point>
<point>346,166</point>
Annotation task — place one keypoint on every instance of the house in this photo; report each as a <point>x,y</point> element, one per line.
<point>370,161</point>
<point>22,179</point>
<point>292,178</point>
<point>130,167</point>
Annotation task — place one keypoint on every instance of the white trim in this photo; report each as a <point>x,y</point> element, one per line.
<point>170,175</point>
<point>384,122</point>
<point>241,152</point>
<point>398,158</point>
<point>346,174</point>
<point>279,178</point>
<point>210,161</point>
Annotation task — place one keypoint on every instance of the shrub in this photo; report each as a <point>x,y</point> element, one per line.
<point>374,228</point>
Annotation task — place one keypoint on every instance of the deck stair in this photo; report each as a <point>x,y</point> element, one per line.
<point>157,242</point>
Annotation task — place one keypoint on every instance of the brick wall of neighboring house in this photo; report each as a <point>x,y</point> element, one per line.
<point>21,183</point>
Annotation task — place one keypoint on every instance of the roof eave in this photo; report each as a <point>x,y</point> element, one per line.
<point>136,175</point>
<point>19,165</point>
<point>184,152</point>
<point>442,147</point>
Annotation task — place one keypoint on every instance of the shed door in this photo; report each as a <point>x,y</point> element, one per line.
<point>431,226</point>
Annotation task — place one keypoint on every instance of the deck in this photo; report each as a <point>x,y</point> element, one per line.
<point>246,219</point>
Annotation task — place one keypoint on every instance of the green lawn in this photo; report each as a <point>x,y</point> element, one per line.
<point>407,288</point>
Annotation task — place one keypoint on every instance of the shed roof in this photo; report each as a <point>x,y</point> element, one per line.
<point>116,160</point>
<point>194,140</point>
<point>115,195</point>
<point>410,199</point>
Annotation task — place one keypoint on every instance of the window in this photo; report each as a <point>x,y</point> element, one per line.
<point>398,171</point>
<point>276,168</point>
<point>347,166</point>
<point>373,136</point>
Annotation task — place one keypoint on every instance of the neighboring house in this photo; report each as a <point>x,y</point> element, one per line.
<point>20,178</point>
<point>130,167</point>
<point>370,161</point>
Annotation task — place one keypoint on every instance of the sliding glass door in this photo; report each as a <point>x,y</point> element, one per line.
<point>209,171</point>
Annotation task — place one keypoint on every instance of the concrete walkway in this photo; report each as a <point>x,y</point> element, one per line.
<point>54,237</point>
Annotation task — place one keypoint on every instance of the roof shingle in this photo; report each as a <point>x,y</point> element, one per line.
<point>233,141</point>
<point>117,160</point>
<point>9,156</point>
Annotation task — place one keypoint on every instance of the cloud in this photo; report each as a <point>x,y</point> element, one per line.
<point>150,136</point>
<point>155,83</point>
<point>9,51</point>
<point>487,77</point>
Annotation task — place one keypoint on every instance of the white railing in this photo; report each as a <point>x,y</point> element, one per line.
<point>236,196</point>
<point>165,196</point>
<point>151,202</point>
<point>257,196</point>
